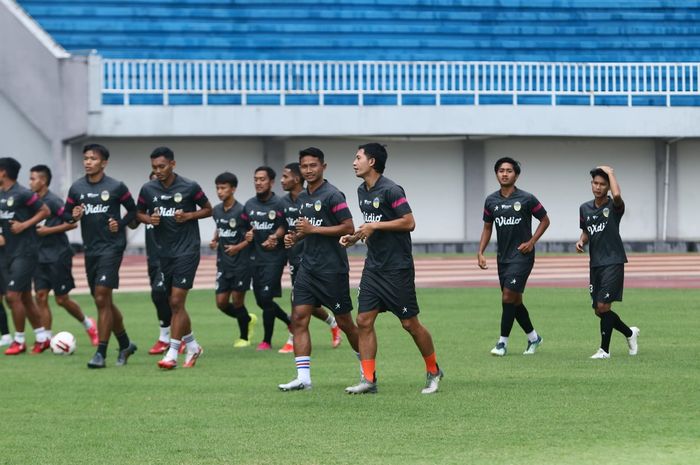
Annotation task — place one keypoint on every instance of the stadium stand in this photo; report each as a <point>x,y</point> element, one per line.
<point>484,30</point>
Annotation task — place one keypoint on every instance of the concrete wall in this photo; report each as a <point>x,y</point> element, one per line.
<point>21,139</point>
<point>445,195</point>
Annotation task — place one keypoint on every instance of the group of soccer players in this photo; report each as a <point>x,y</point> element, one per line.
<point>310,229</point>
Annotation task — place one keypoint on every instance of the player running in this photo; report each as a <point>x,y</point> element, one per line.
<point>293,184</point>
<point>20,211</point>
<point>264,214</point>
<point>388,278</point>
<point>55,267</point>
<point>232,257</point>
<point>512,209</point>
<point>600,228</point>
<point>96,200</point>
<point>323,277</point>
<point>170,204</point>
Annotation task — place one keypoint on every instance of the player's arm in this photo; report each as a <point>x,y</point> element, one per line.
<point>142,215</point>
<point>483,242</point>
<point>582,241</point>
<point>304,228</point>
<point>41,212</point>
<point>58,229</point>
<point>526,247</point>
<point>404,224</point>
<point>614,187</point>
<point>127,201</point>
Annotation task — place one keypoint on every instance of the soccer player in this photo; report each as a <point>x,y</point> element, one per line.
<point>5,337</point>
<point>55,268</point>
<point>232,257</point>
<point>600,228</point>
<point>388,278</point>
<point>323,277</point>
<point>170,205</point>
<point>159,296</point>
<point>20,211</point>
<point>264,214</point>
<point>512,210</point>
<point>96,200</point>
<point>293,183</point>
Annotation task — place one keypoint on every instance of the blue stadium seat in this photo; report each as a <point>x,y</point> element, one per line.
<point>517,30</point>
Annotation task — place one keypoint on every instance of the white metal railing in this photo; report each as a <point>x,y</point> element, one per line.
<point>243,78</point>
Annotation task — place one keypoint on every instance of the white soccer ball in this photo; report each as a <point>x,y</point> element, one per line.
<point>63,343</point>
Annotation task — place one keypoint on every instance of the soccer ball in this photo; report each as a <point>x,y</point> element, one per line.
<point>63,343</point>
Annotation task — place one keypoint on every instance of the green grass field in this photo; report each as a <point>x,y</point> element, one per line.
<point>557,407</point>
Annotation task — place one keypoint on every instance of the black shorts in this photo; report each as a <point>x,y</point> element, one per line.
<point>267,280</point>
<point>232,281</point>
<point>156,277</point>
<point>514,275</point>
<point>607,283</point>
<point>179,271</point>
<point>57,276</point>
<point>293,269</point>
<point>103,270</point>
<point>392,290</point>
<point>19,273</point>
<point>3,277</point>
<point>331,290</point>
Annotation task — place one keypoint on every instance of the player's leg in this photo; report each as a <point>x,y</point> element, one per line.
<point>232,306</point>
<point>36,318</point>
<point>367,345</point>
<point>424,341</point>
<point>73,308</point>
<point>301,314</point>
<point>5,337</point>
<point>246,321</point>
<point>41,298</point>
<point>328,318</point>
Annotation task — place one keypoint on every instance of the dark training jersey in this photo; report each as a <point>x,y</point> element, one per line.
<point>513,218</point>
<point>54,246</point>
<point>265,218</point>
<point>602,225</point>
<point>102,201</point>
<point>152,247</point>
<point>231,228</point>
<point>386,201</point>
<point>290,210</point>
<point>175,239</point>
<point>324,207</point>
<point>19,204</point>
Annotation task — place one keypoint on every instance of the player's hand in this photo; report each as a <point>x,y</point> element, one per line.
<point>526,247</point>
<point>17,227</point>
<point>113,225</point>
<point>289,240</point>
<point>249,236</point>
<point>181,216</point>
<point>270,243</point>
<point>213,244</point>
<point>304,226</point>
<point>348,240</point>
<point>78,211</point>
<point>606,169</point>
<point>365,230</point>
<point>579,246</point>
<point>2,240</point>
<point>41,230</point>
<point>481,261</point>
<point>230,250</point>
<point>155,217</point>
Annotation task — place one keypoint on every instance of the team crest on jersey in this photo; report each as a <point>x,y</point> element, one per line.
<point>517,206</point>
<point>232,222</point>
<point>10,201</point>
<point>271,214</point>
<point>375,202</point>
<point>606,212</point>
<point>177,197</point>
<point>104,195</point>
<point>317,205</point>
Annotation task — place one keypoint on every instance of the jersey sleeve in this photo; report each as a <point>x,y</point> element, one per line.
<point>619,211</point>
<point>339,207</point>
<point>71,201</point>
<point>581,218</point>
<point>33,202</point>
<point>198,195</point>
<point>538,211</point>
<point>488,214</point>
<point>127,201</point>
<point>396,197</point>
<point>141,203</point>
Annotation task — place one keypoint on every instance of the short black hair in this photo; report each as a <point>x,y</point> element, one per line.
<point>599,172</point>
<point>11,167</point>
<point>270,172</point>
<point>101,150</point>
<point>163,152</point>
<point>227,178</point>
<point>378,153</point>
<point>313,152</point>
<point>44,170</point>
<point>295,168</point>
<point>500,161</point>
